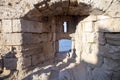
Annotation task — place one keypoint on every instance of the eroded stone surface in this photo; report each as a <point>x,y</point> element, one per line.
<point>32,29</point>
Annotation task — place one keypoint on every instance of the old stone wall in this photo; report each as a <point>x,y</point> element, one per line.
<point>29,42</point>
<point>97,44</point>
<point>28,32</point>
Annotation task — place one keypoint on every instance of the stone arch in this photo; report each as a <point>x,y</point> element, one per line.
<point>30,24</point>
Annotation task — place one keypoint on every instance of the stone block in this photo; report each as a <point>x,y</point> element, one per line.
<point>37,59</point>
<point>91,37</point>
<point>102,17</point>
<point>16,26</point>
<point>102,5</point>
<point>110,51</point>
<point>90,18</point>
<point>26,62</point>
<point>109,25</point>
<point>101,38</point>
<point>10,63</point>
<point>29,38</point>
<point>21,25</point>
<point>114,9</point>
<point>12,39</point>
<point>31,26</point>
<point>32,51</point>
<point>48,50</point>
<point>88,26</point>
<point>6,26</point>
<point>113,39</point>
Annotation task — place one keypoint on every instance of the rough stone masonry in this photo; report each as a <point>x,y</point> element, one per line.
<point>30,31</point>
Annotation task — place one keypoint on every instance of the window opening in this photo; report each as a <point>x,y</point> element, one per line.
<point>65,27</point>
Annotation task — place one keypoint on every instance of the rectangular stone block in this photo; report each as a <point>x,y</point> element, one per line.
<point>12,39</point>
<point>26,62</point>
<point>20,25</point>
<point>6,26</point>
<point>37,59</point>
<point>29,38</point>
<point>90,18</point>
<point>17,25</point>
<point>48,50</point>
<point>101,39</point>
<point>113,38</point>
<point>31,26</point>
<point>32,51</point>
<point>88,26</point>
<point>108,25</point>
<point>89,37</point>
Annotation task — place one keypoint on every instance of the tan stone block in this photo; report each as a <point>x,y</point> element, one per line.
<point>103,5</point>
<point>102,17</point>
<point>114,9</point>
<point>16,25</point>
<point>88,26</point>
<point>12,39</point>
<point>91,37</point>
<point>6,26</point>
<point>90,18</point>
<point>109,25</point>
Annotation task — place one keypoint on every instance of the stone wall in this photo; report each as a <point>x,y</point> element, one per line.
<point>29,42</point>
<point>97,44</point>
<point>26,39</point>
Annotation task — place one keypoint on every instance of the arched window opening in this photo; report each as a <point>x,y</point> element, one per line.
<point>65,27</point>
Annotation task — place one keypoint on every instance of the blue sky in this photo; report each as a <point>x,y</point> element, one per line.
<point>65,45</point>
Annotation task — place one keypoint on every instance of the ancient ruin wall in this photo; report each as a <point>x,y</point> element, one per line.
<point>24,34</point>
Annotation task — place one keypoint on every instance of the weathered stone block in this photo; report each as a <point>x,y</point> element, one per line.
<point>102,17</point>
<point>21,25</point>
<point>12,39</point>
<point>109,25</point>
<point>6,26</point>
<point>16,26</point>
<point>48,50</point>
<point>90,37</point>
<point>88,26</point>
<point>103,5</point>
<point>10,63</point>
<point>26,62</point>
<point>113,39</point>
<point>114,9</point>
<point>29,38</point>
<point>32,51</point>
<point>37,59</point>
<point>110,51</point>
<point>31,26</point>
<point>90,18</point>
<point>101,38</point>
